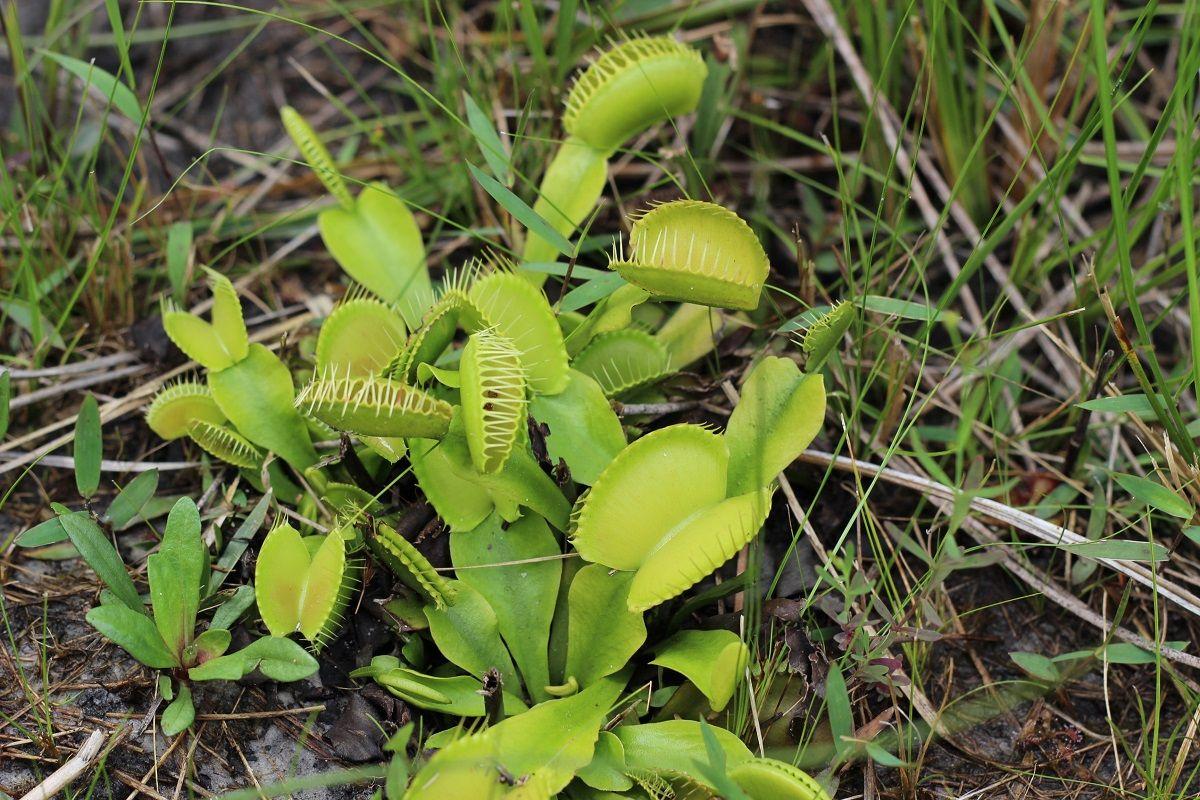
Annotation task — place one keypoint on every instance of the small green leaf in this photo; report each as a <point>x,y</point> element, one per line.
<point>232,609</point>
<point>1120,653</point>
<point>905,309</point>
<point>49,532</point>
<point>520,211</point>
<point>5,396</point>
<point>238,543</point>
<point>179,257</point>
<point>281,659</point>
<point>277,658</point>
<point>180,715</point>
<point>488,140</point>
<point>209,645</point>
<point>1037,665</point>
<point>101,556</point>
<point>134,633</point>
<point>1138,404</point>
<point>841,716</point>
<point>606,771</point>
<point>129,502</point>
<point>1119,549</point>
<point>175,573</point>
<point>882,757</point>
<point>1155,495</point>
<point>121,96</point>
<point>88,448</point>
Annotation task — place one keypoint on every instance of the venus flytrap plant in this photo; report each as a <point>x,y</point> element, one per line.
<point>825,334</point>
<point>480,382</point>
<point>407,563</point>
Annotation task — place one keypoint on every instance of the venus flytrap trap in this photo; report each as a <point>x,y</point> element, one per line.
<point>697,252</point>
<point>303,584</point>
<point>634,84</point>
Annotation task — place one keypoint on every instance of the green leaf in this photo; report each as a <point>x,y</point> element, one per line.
<point>88,447</point>
<point>378,244</point>
<point>602,633</point>
<point>904,309</point>
<point>455,695</point>
<point>101,556</point>
<point>180,714</point>
<point>179,257</point>
<point>713,660</point>
<point>134,633</point>
<point>548,744</point>
<point>277,658</point>
<point>238,543</point>
<point>1120,653</point>
<point>281,659</point>
<point>129,502</point>
<point>467,633</point>
<point>1119,549</point>
<point>882,757</point>
<point>488,140</point>
<point>49,532</point>
<point>676,746</point>
<point>837,702</point>
<point>1037,665</point>
<point>606,771</point>
<point>780,411</point>
<point>521,593</point>
<point>1138,404</point>
<point>1155,495</point>
<point>520,211</point>
<point>175,573</point>
<point>121,96</point>
<point>232,609</point>
<point>209,645</point>
<point>584,431</point>
<point>5,397</point>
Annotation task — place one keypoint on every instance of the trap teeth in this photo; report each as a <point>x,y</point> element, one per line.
<point>372,406</point>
